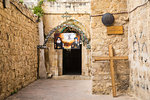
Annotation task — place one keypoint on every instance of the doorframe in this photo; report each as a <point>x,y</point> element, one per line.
<point>81,50</point>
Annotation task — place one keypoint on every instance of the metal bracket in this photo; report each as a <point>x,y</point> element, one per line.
<point>41,47</point>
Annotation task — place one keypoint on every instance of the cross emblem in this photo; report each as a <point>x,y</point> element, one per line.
<point>66,15</point>
<point>111,58</point>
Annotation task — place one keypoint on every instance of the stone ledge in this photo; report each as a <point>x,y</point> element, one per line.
<point>71,77</point>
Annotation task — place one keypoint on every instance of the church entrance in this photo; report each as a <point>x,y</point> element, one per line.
<point>72,61</point>
<point>71,37</point>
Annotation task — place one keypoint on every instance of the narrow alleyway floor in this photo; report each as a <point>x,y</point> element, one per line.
<point>47,89</point>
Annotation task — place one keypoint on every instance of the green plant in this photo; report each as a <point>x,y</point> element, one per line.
<point>38,9</point>
<point>15,91</point>
<point>21,1</point>
<point>40,2</point>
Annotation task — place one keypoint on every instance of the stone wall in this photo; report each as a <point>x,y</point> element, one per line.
<point>30,3</point>
<point>72,6</point>
<point>18,48</point>
<point>139,48</point>
<point>100,42</point>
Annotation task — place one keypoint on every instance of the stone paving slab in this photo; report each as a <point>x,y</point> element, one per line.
<point>47,89</point>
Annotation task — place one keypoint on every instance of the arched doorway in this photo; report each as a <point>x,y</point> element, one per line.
<point>72,59</point>
<point>73,24</point>
<point>59,58</point>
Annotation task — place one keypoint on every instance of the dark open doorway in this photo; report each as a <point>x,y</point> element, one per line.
<point>72,61</point>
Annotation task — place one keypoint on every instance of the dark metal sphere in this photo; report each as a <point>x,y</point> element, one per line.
<point>108,19</point>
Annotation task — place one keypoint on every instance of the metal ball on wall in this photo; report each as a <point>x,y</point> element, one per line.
<point>108,19</point>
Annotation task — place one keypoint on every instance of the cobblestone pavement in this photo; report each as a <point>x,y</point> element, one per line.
<point>47,89</point>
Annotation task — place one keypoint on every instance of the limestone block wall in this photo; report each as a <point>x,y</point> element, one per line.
<point>100,42</point>
<point>139,49</point>
<point>18,48</point>
<point>72,6</point>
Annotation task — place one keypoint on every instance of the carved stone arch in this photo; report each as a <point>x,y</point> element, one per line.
<point>71,24</point>
<point>76,23</point>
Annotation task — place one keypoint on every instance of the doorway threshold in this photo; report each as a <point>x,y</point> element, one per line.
<point>71,77</point>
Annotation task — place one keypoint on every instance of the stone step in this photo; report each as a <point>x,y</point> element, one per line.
<point>71,77</point>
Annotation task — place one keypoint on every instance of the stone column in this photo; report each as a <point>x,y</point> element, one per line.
<point>57,63</point>
<point>60,66</point>
<point>42,68</point>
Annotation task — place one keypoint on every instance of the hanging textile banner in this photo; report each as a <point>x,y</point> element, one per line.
<point>66,41</point>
